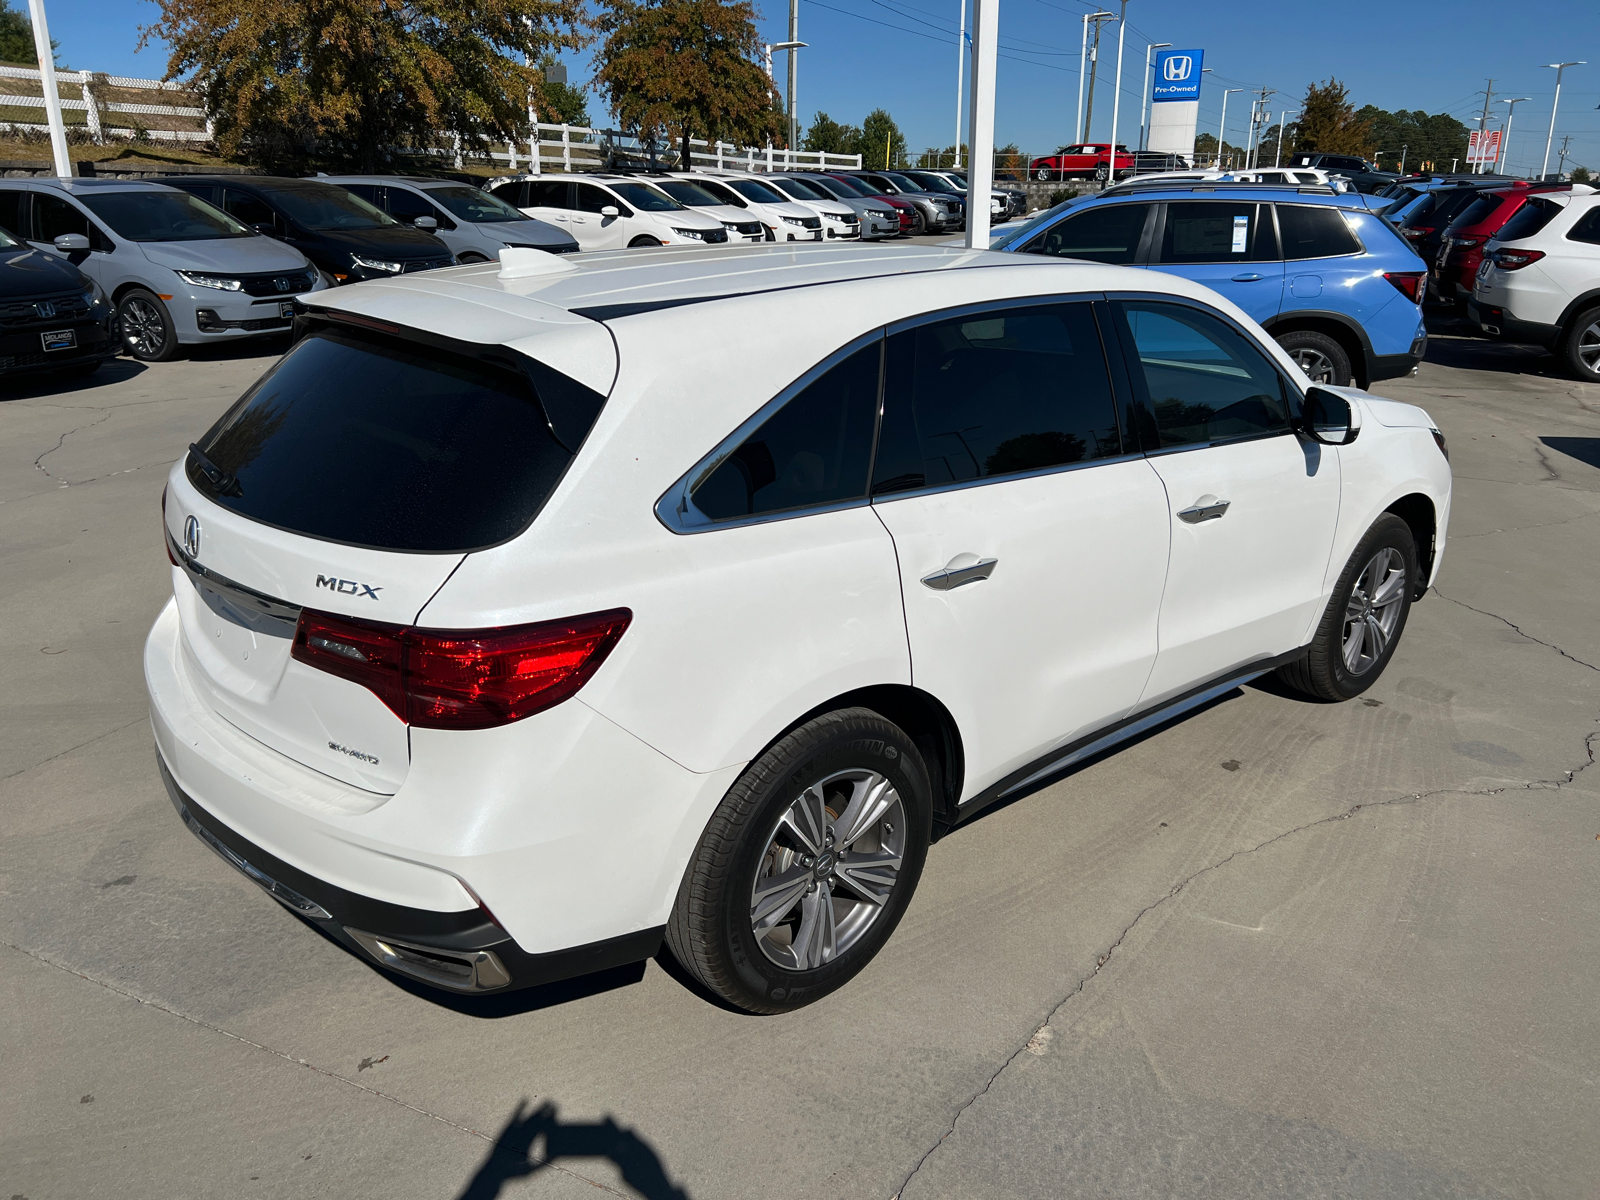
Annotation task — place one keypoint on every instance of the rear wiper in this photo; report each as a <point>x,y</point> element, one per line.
<point>226,483</point>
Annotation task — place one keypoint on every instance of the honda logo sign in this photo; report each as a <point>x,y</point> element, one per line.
<point>1176,69</point>
<point>1178,75</point>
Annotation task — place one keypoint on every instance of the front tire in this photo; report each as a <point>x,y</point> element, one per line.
<point>1318,355</point>
<point>807,865</point>
<point>643,239</point>
<point>1365,616</point>
<point>145,327</point>
<point>919,225</point>
<point>1580,347</point>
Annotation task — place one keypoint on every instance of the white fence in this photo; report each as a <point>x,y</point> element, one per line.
<point>575,148</point>
<point>99,116</point>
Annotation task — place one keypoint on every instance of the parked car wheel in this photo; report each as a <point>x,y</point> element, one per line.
<point>1580,347</point>
<point>1042,174</point>
<point>145,326</point>
<point>919,225</point>
<point>643,240</point>
<point>470,257</point>
<point>1318,355</point>
<point>808,864</point>
<point>1364,618</point>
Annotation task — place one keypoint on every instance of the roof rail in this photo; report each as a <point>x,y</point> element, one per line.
<point>1214,185</point>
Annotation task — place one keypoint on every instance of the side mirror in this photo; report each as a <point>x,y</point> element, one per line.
<point>265,230</point>
<point>610,210</point>
<point>1328,418</point>
<point>427,224</point>
<point>68,242</point>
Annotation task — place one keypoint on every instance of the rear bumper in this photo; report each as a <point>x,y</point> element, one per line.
<point>1499,322</point>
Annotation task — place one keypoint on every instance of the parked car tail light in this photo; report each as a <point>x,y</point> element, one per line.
<point>1414,232</point>
<point>1438,440</point>
<point>461,679</point>
<point>1410,283</point>
<point>1461,243</point>
<point>1515,260</point>
<point>166,538</point>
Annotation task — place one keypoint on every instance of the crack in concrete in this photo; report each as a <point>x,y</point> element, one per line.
<point>1511,624</point>
<point>63,753</point>
<point>1458,537</point>
<point>1100,963</point>
<point>299,1062</point>
<point>105,415</point>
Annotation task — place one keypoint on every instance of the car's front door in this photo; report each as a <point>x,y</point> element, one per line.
<point>1032,543</point>
<point>1228,245</point>
<point>1252,505</point>
<point>591,228</point>
<point>1107,233</point>
<point>406,206</point>
<point>53,216</point>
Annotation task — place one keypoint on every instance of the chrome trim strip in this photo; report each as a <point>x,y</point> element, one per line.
<point>286,896</point>
<point>236,593</point>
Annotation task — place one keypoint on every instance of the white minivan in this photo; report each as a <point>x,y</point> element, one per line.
<point>514,634</point>
<point>609,212</point>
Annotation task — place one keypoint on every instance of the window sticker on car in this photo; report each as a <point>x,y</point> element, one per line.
<point>1241,234</point>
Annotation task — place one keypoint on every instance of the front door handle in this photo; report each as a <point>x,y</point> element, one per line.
<point>1248,277</point>
<point>963,568</point>
<point>1207,508</point>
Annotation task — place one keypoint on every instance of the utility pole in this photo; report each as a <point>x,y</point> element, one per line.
<point>1561,166</point>
<point>1144,98</point>
<point>1116,94</point>
<point>1550,137</point>
<point>1258,117</point>
<point>961,61</point>
<point>1488,94</point>
<point>1505,146</point>
<point>1099,19</point>
<point>1222,125</point>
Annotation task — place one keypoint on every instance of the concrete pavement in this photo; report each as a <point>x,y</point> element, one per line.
<point>1276,948</point>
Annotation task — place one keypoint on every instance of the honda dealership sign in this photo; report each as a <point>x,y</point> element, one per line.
<point>1175,100</point>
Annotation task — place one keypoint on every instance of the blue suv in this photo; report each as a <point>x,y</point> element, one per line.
<point>1331,281</point>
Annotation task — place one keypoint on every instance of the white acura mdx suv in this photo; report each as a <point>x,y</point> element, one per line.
<point>512,634</point>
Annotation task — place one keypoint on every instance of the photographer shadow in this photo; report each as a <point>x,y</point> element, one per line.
<point>514,1157</point>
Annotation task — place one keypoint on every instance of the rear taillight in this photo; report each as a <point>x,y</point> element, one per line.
<point>166,538</point>
<point>461,679</point>
<point>1410,283</point>
<point>1515,260</point>
<point>1463,242</point>
<point>1438,440</point>
<point>1416,231</point>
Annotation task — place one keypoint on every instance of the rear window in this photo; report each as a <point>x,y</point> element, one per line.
<point>1587,229</point>
<point>376,443</point>
<point>1528,220</point>
<point>1476,211</point>
<point>1309,232</point>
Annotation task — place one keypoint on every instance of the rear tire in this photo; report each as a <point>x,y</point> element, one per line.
<point>807,865</point>
<point>1365,616</point>
<point>1318,355</point>
<point>1580,346</point>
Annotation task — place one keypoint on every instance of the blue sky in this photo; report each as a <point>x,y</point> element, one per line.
<point>901,55</point>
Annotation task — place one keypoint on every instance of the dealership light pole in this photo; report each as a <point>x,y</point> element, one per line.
<point>961,61</point>
<point>47,84</point>
<point>1222,125</point>
<point>1283,124</point>
<point>1549,137</point>
<point>1144,100</point>
<point>1116,95</point>
<point>980,121</point>
<point>794,45</point>
<point>1505,147</point>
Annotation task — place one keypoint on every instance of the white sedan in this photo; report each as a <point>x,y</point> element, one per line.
<point>514,633</point>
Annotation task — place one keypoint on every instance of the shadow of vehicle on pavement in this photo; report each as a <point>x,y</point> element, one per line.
<point>1585,450</point>
<point>65,382</point>
<point>1453,341</point>
<point>515,1156</point>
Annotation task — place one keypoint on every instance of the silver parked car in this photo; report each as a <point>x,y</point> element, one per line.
<point>473,223</point>
<point>178,271</point>
<point>878,217</point>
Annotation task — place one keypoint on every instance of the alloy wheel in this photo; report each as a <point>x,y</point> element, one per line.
<point>1317,366</point>
<point>1589,348</point>
<point>829,866</point>
<point>1373,610</point>
<point>143,330</point>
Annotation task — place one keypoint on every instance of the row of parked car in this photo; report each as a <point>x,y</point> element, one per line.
<point>89,267</point>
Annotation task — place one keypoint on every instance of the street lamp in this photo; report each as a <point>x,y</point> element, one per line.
<point>1144,99</point>
<point>1116,96</point>
<point>1283,124</point>
<point>1505,146</point>
<point>791,46</point>
<point>1222,126</point>
<point>1551,136</point>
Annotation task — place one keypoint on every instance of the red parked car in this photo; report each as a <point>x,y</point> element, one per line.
<point>1090,160</point>
<point>903,208</point>
<point>1461,250</point>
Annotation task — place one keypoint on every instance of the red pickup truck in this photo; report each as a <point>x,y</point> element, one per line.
<point>1090,160</point>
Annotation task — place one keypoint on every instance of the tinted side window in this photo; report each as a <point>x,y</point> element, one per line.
<point>1313,232</point>
<point>242,206</point>
<point>408,206</point>
<point>548,193</point>
<point>367,191</point>
<point>994,394</point>
<point>1201,380</point>
<point>816,449</point>
<point>1214,231</point>
<point>1108,234</point>
<point>592,199</point>
<point>11,212</point>
<point>1528,220</point>
<point>53,216</point>
<point>514,194</point>
<point>1586,230</point>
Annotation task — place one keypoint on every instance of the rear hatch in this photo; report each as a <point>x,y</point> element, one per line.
<point>352,479</point>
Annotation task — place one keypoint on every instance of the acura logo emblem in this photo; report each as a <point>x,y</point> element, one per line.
<point>191,537</point>
<point>1176,69</point>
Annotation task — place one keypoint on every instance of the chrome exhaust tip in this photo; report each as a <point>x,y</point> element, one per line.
<point>458,970</point>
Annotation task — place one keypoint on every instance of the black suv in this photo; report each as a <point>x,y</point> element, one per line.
<point>53,317</point>
<point>346,237</point>
<point>1361,173</point>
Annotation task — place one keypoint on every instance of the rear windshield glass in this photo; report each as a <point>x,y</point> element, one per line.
<point>383,444</point>
<point>1476,211</point>
<point>1528,220</point>
<point>152,216</point>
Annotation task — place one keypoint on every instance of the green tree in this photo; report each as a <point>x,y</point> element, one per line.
<point>828,135</point>
<point>16,38</point>
<point>295,81</point>
<point>1329,122</point>
<point>1582,175</point>
<point>686,68</point>
<point>1437,139</point>
<point>564,104</point>
<point>880,142</point>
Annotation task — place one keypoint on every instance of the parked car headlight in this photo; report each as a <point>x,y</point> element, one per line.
<point>221,283</point>
<point>888,214</point>
<point>694,235</point>
<point>795,220</point>
<point>375,264</point>
<point>92,292</point>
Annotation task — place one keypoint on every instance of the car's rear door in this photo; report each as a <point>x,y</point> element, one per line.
<point>1031,541</point>
<point>1252,507</point>
<point>1228,245</point>
<point>1324,267</point>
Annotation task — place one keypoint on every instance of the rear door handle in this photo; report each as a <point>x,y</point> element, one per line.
<point>1247,277</point>
<point>1208,508</point>
<point>963,568</point>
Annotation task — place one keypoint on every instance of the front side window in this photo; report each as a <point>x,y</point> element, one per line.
<point>816,449</point>
<point>248,209</point>
<point>992,394</point>
<point>1315,232</point>
<point>473,204</point>
<point>408,206</point>
<point>53,216</point>
<point>1109,233</point>
<point>1216,231</point>
<point>1201,380</point>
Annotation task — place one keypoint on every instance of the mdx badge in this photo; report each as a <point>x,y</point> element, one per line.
<point>191,536</point>
<point>346,587</point>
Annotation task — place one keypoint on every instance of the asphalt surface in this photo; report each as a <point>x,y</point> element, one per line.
<point>1278,948</point>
